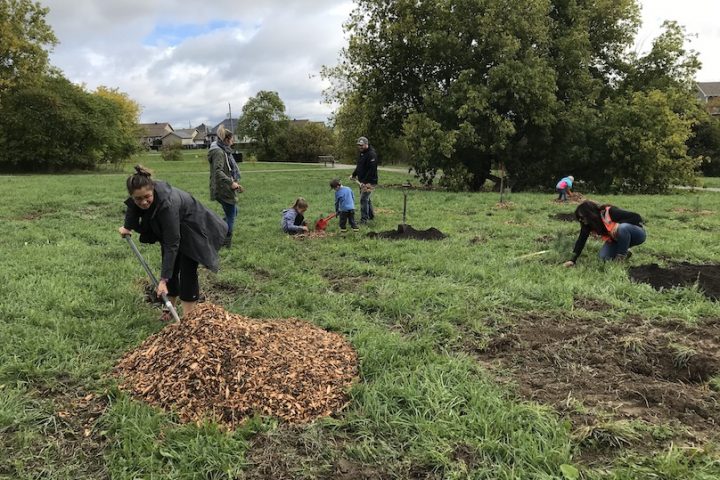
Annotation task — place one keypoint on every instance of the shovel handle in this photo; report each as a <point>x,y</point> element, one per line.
<point>153,279</point>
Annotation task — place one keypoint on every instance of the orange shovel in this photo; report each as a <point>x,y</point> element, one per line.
<point>322,224</point>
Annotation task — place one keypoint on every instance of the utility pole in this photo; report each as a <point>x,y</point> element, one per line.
<point>232,129</point>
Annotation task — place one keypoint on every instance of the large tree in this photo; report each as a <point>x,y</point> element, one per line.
<point>471,83</point>
<point>25,38</point>
<point>263,118</point>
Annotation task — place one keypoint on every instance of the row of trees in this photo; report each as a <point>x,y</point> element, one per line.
<point>276,137</point>
<point>47,123</point>
<point>542,87</point>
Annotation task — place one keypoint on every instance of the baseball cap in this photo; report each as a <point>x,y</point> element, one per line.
<point>362,141</point>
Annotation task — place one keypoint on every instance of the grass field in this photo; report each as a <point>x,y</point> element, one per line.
<point>438,397</point>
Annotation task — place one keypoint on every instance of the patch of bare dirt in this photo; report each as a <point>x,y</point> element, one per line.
<point>340,283</point>
<point>407,232</point>
<point>707,277</point>
<point>693,211</point>
<point>591,304</point>
<point>73,440</point>
<point>563,217</point>
<point>591,370</point>
<point>214,364</point>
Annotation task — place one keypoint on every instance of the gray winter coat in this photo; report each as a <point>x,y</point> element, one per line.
<point>221,178</point>
<point>181,224</point>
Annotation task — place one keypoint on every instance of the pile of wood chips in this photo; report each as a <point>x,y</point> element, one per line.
<point>229,367</point>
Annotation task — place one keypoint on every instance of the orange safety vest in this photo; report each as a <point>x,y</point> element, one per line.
<point>610,226</point>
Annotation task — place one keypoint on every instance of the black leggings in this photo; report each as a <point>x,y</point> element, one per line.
<point>184,279</point>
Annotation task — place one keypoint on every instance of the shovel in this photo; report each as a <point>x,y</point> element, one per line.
<point>154,281</point>
<point>322,224</point>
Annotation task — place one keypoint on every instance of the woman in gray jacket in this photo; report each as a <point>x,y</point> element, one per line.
<point>189,234</point>
<point>224,178</point>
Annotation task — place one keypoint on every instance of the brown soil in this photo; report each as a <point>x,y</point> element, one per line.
<point>409,233</point>
<point>680,275</point>
<point>229,367</point>
<point>563,217</point>
<point>342,283</point>
<point>592,370</point>
<point>591,304</point>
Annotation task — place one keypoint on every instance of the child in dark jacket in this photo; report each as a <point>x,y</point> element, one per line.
<point>620,229</point>
<point>293,218</point>
<point>344,205</point>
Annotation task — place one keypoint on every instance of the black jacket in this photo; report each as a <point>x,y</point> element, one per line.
<point>181,224</point>
<point>617,215</point>
<point>366,169</point>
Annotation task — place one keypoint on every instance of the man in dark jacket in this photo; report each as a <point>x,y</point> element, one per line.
<point>366,174</point>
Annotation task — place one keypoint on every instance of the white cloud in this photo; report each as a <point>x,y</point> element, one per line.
<point>271,45</point>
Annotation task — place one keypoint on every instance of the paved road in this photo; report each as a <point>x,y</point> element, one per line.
<point>697,189</point>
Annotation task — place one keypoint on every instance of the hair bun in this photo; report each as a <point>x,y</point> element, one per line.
<point>140,170</point>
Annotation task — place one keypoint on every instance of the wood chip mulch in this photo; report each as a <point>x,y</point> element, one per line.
<point>219,365</point>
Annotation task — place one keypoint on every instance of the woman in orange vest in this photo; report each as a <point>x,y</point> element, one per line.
<point>619,229</point>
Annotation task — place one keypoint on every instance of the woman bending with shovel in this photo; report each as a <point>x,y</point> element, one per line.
<point>189,234</point>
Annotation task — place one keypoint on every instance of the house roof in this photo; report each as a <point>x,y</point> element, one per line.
<point>185,133</point>
<point>304,121</point>
<point>226,124</point>
<point>202,130</point>
<point>709,89</point>
<point>155,129</point>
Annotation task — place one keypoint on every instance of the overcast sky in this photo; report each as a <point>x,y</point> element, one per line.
<point>183,62</point>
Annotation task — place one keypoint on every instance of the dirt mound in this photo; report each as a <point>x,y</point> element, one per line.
<point>593,371</point>
<point>228,367</point>
<point>681,275</point>
<point>409,233</point>
<point>563,217</point>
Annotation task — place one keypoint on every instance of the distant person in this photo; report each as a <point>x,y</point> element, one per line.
<point>367,175</point>
<point>344,205</point>
<point>620,229</point>
<point>564,188</point>
<point>224,178</point>
<point>189,234</point>
<point>293,218</point>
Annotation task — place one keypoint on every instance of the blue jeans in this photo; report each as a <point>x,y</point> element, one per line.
<point>562,194</point>
<point>230,210</point>
<point>366,207</point>
<point>628,235</point>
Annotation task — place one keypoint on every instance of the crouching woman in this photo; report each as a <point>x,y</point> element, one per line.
<point>189,234</point>
<point>620,229</point>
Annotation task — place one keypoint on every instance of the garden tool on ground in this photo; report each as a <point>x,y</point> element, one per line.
<point>154,281</point>
<point>322,224</point>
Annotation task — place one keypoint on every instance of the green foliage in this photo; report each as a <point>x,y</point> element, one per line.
<point>263,119</point>
<point>705,144</point>
<point>54,125</point>
<point>171,153</point>
<point>646,143</point>
<point>24,39</point>
<point>523,83</point>
<point>303,142</point>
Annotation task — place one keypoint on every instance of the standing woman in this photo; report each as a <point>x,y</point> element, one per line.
<point>620,229</point>
<point>189,234</point>
<point>224,178</point>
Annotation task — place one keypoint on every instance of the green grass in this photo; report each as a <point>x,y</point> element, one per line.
<point>710,182</point>
<point>71,306</point>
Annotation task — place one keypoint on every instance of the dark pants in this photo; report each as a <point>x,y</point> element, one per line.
<point>230,210</point>
<point>366,206</point>
<point>299,220</point>
<point>345,216</point>
<point>562,194</point>
<point>184,280</point>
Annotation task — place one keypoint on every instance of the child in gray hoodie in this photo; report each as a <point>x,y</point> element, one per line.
<point>293,218</point>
